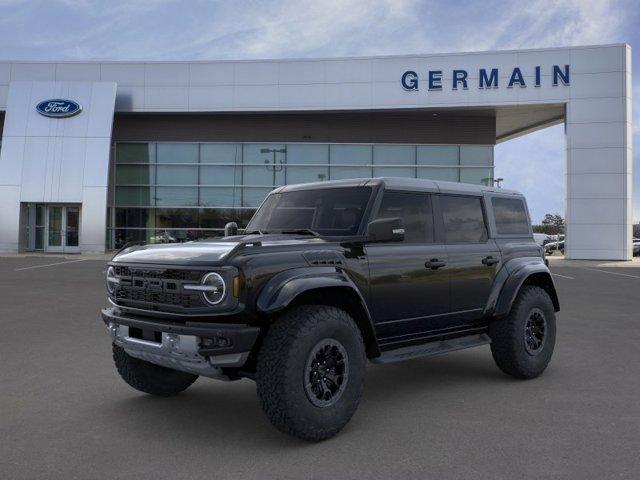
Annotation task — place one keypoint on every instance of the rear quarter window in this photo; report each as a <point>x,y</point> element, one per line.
<point>510,215</point>
<point>463,219</point>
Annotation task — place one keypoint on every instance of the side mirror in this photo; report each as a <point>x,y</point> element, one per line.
<point>385,230</point>
<point>230,229</point>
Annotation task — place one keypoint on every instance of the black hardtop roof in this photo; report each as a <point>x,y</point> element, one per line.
<point>403,183</point>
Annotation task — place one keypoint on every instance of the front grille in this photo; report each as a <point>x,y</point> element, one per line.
<point>178,299</point>
<point>155,288</point>
<point>164,273</point>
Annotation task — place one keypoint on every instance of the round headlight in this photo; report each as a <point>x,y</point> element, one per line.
<point>214,288</point>
<point>112,280</point>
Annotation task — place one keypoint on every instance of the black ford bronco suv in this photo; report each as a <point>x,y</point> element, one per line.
<point>326,276</point>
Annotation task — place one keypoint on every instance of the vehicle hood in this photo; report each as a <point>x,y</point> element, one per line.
<point>209,252</point>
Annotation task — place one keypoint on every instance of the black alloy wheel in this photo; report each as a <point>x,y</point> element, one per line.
<point>535,329</point>
<point>326,373</point>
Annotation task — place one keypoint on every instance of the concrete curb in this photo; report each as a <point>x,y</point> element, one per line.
<point>559,261</point>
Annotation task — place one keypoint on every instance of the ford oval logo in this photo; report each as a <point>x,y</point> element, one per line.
<point>58,108</point>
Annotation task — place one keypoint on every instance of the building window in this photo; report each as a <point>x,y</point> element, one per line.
<point>169,191</point>
<point>439,162</point>
<point>350,161</point>
<point>476,158</point>
<point>394,161</point>
<point>307,163</point>
<point>263,165</point>
<point>136,152</point>
<point>178,153</point>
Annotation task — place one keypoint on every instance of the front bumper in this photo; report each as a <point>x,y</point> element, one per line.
<point>194,347</point>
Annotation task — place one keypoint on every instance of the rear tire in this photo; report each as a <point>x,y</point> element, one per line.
<point>150,378</point>
<point>523,342</point>
<point>310,372</point>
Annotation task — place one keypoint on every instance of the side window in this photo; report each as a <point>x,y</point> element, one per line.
<point>415,211</point>
<point>511,216</point>
<point>463,219</point>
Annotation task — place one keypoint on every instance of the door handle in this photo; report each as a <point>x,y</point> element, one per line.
<point>489,261</point>
<point>434,264</point>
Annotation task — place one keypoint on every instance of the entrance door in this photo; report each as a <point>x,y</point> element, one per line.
<point>55,232</point>
<point>72,230</point>
<point>63,229</point>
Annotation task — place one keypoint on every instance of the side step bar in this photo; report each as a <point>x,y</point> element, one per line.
<point>432,348</point>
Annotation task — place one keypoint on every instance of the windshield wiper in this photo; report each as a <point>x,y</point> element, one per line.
<point>302,231</point>
<point>256,232</point>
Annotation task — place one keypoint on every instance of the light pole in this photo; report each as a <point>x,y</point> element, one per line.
<point>497,182</point>
<point>274,166</point>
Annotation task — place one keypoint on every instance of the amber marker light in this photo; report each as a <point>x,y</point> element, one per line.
<point>237,283</point>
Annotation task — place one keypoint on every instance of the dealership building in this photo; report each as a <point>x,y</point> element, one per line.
<point>97,154</point>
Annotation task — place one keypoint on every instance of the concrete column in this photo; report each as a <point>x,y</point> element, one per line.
<point>56,160</point>
<point>599,165</point>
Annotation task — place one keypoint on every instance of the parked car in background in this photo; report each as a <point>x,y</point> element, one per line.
<point>163,237</point>
<point>542,238</point>
<point>555,245</point>
<point>636,247</point>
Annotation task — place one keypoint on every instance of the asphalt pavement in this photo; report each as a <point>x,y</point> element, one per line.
<point>65,413</point>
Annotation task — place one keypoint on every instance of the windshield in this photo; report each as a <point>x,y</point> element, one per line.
<point>326,211</point>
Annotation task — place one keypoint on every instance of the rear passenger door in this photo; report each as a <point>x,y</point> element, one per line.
<point>474,259</point>
<point>405,292</point>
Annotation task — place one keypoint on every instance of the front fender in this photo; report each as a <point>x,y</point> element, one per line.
<point>511,278</point>
<point>284,287</point>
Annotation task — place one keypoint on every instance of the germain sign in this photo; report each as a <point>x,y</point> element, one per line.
<point>487,78</point>
<point>58,108</point>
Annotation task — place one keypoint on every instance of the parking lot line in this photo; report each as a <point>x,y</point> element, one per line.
<point>49,265</point>
<point>611,273</point>
<point>562,276</point>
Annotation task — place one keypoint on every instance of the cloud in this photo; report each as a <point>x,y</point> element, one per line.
<point>250,29</point>
<point>159,29</point>
<point>337,25</point>
<point>162,29</point>
<point>548,23</point>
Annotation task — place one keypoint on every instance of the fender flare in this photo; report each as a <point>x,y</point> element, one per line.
<point>284,287</point>
<point>511,278</point>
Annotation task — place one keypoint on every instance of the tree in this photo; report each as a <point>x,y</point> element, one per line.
<point>552,224</point>
<point>554,219</point>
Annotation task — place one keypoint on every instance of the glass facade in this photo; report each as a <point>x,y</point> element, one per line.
<point>166,192</point>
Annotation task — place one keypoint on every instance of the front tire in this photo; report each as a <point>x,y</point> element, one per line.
<point>522,343</point>
<point>310,372</point>
<point>150,378</point>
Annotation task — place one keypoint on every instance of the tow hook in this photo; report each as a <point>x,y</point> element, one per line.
<point>112,328</point>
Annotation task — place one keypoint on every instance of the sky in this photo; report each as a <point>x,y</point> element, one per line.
<point>255,29</point>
